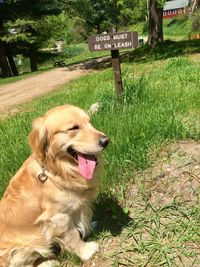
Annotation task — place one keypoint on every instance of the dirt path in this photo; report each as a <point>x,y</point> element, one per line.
<point>25,90</point>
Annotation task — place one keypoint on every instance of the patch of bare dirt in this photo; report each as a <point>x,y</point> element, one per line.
<point>195,57</point>
<point>174,176</point>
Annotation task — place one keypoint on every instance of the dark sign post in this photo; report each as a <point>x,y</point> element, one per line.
<point>117,70</point>
<point>114,41</point>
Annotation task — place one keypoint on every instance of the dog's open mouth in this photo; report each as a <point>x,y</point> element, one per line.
<point>86,163</point>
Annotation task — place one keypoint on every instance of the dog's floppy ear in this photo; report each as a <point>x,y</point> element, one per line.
<point>38,138</point>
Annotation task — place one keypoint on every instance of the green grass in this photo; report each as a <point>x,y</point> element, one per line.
<point>154,104</point>
<point>139,27</point>
<point>158,97</point>
<point>177,29</point>
<point>168,49</point>
<point>71,54</point>
<point>84,54</point>
<point>164,236</point>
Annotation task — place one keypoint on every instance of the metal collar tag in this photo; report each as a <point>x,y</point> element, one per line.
<point>42,176</point>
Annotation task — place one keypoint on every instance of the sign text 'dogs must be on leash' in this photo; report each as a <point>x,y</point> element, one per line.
<point>113,41</point>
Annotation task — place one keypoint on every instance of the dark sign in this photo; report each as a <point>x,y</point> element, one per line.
<point>113,41</point>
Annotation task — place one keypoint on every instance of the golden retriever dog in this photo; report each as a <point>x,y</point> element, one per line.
<point>48,201</point>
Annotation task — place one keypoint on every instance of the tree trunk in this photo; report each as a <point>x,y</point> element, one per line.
<point>98,28</point>
<point>193,6</point>
<point>155,23</point>
<point>11,61</point>
<point>5,68</point>
<point>6,72</point>
<point>33,58</point>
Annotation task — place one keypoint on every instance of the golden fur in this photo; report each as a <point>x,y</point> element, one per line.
<point>34,214</point>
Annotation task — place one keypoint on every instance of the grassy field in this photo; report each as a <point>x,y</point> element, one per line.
<point>177,29</point>
<point>161,105</point>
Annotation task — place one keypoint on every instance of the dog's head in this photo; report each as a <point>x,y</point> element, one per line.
<point>66,134</point>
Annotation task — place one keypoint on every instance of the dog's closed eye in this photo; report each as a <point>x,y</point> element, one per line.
<point>75,127</point>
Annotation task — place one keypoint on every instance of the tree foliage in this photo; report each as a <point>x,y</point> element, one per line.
<point>97,15</point>
<point>24,27</point>
<point>132,12</point>
<point>100,15</point>
<point>25,20</point>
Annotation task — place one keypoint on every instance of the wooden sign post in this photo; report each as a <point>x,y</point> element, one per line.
<point>114,41</point>
<point>117,70</point>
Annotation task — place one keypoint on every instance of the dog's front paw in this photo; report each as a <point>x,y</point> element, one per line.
<point>88,250</point>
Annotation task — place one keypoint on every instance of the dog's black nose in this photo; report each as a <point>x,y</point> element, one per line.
<point>103,141</point>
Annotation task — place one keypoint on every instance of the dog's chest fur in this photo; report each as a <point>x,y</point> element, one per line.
<point>64,207</point>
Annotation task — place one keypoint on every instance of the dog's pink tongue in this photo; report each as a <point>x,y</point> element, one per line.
<point>86,166</point>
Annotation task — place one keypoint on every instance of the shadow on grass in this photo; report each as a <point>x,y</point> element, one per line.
<point>92,64</point>
<point>54,59</point>
<point>110,216</point>
<point>165,50</point>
